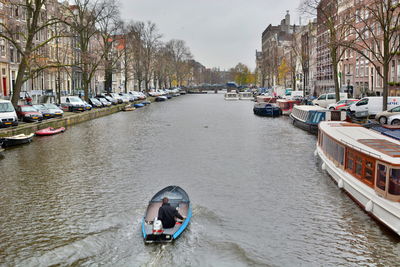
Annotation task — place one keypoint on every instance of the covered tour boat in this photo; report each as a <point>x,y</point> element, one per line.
<point>16,140</point>
<point>231,96</point>
<point>49,131</point>
<point>307,117</point>
<point>152,229</point>
<point>286,105</point>
<point>366,164</point>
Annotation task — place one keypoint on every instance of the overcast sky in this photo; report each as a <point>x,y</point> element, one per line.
<point>219,33</point>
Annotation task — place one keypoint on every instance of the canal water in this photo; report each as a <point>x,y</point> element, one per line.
<point>259,195</point>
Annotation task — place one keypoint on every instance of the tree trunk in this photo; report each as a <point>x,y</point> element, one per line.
<point>335,72</point>
<point>86,83</point>
<point>385,85</point>
<point>19,82</point>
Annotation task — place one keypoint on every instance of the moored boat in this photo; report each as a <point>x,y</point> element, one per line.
<point>246,96</point>
<point>128,108</point>
<point>16,140</point>
<point>50,131</point>
<point>307,117</point>
<point>152,229</point>
<point>146,102</point>
<point>139,105</point>
<point>160,98</point>
<point>266,110</point>
<point>366,164</point>
<point>231,96</point>
<point>266,99</point>
<point>286,105</point>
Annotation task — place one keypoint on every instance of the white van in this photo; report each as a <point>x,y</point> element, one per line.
<point>326,99</point>
<point>8,116</point>
<point>294,95</point>
<point>372,105</point>
<point>72,103</point>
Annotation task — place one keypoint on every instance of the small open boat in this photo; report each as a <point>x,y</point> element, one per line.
<point>138,105</point>
<point>146,102</point>
<point>49,131</point>
<point>15,140</point>
<point>160,98</point>
<point>152,228</point>
<point>128,108</point>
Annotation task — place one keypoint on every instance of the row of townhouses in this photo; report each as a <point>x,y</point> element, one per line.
<point>298,57</point>
<point>62,51</point>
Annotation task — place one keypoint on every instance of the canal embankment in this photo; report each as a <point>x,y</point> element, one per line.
<point>69,119</point>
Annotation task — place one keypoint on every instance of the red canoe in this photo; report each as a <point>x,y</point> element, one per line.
<point>50,131</point>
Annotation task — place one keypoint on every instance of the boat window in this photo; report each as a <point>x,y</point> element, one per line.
<point>332,149</point>
<point>341,155</point>
<point>359,164</point>
<point>394,182</point>
<point>349,163</point>
<point>369,171</point>
<point>362,102</point>
<point>381,177</point>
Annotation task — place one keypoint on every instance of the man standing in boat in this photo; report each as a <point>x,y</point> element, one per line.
<point>167,214</point>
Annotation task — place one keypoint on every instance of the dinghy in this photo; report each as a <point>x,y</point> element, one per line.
<point>152,229</point>
<point>15,140</point>
<point>146,102</point>
<point>49,131</point>
<point>138,105</point>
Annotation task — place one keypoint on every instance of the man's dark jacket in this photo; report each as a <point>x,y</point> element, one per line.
<point>167,215</point>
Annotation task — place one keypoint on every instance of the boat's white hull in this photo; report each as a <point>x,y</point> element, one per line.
<point>246,98</point>
<point>387,212</point>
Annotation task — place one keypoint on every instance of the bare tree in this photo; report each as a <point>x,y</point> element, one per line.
<point>83,19</point>
<point>333,29</point>
<point>179,53</point>
<point>26,34</point>
<point>109,25</point>
<point>377,36</point>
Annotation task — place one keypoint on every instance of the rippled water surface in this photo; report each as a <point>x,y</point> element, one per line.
<point>259,196</point>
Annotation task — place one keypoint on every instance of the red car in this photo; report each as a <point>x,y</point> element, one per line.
<point>28,113</point>
<point>342,104</point>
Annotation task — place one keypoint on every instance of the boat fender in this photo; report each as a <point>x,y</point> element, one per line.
<point>315,153</point>
<point>323,166</point>
<point>340,184</point>
<point>369,206</point>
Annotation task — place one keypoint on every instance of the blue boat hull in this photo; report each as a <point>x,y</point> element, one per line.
<point>179,199</point>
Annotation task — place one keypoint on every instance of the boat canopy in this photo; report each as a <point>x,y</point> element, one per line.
<point>174,193</point>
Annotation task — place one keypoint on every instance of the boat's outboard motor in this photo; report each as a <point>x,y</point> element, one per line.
<point>157,227</point>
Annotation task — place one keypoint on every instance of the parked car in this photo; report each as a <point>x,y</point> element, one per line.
<point>125,98</point>
<point>28,113</point>
<point>135,95</point>
<point>342,104</point>
<point>45,111</point>
<point>87,105</point>
<point>55,111</point>
<point>394,120</point>
<point>383,116</point>
<point>326,99</point>
<point>72,103</point>
<point>95,103</point>
<point>104,101</point>
<point>371,106</point>
<point>110,99</point>
<point>117,97</point>
<point>8,116</point>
